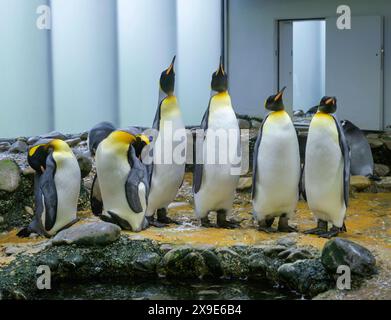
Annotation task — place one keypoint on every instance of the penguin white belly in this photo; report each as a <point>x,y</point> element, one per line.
<point>278,168</point>
<point>324,171</point>
<point>67,180</point>
<point>113,169</point>
<point>219,177</point>
<point>167,177</point>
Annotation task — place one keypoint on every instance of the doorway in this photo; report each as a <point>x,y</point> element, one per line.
<point>302,63</point>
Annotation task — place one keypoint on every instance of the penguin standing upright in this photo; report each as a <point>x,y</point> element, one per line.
<point>327,170</point>
<point>276,168</point>
<point>96,135</point>
<point>166,178</point>
<point>123,179</point>
<point>56,189</point>
<point>214,184</point>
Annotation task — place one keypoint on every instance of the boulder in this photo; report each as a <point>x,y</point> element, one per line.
<point>73,142</point>
<point>384,183</point>
<point>381,170</point>
<point>338,251</point>
<point>308,277</point>
<point>89,234</point>
<point>375,143</point>
<point>9,175</point>
<point>53,135</point>
<point>232,264</point>
<point>256,124</point>
<point>4,146</point>
<point>359,183</point>
<point>244,124</point>
<point>85,164</point>
<point>18,146</point>
<point>244,183</point>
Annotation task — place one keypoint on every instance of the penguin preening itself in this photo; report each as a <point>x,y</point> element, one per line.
<point>123,179</point>
<point>214,184</point>
<point>56,188</point>
<point>327,170</point>
<point>276,168</point>
<point>96,135</point>
<point>166,178</point>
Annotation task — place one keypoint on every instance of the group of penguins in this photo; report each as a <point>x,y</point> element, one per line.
<point>134,195</point>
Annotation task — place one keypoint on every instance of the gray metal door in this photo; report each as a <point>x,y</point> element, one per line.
<point>354,70</point>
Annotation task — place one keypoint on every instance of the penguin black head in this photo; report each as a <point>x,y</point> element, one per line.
<point>140,142</point>
<point>167,79</point>
<point>220,79</point>
<point>274,102</point>
<point>328,104</point>
<point>37,157</point>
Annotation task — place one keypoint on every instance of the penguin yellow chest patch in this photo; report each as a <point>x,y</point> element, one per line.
<point>325,122</point>
<point>169,108</point>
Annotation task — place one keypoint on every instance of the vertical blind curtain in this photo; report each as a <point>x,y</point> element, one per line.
<point>101,61</point>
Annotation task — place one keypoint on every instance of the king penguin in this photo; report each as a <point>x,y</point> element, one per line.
<point>214,182</point>
<point>166,177</point>
<point>56,188</point>
<point>327,170</point>
<point>123,179</point>
<point>96,135</point>
<point>276,168</point>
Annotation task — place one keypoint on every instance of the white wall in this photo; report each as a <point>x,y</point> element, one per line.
<point>25,90</point>
<point>252,44</point>
<point>84,49</point>
<point>308,63</point>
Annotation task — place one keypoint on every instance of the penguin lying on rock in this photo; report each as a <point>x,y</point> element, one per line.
<point>276,168</point>
<point>327,170</point>
<point>214,184</point>
<point>56,188</point>
<point>123,179</point>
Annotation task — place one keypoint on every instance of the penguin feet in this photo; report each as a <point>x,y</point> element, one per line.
<point>162,217</point>
<point>265,225</point>
<point>283,225</point>
<point>222,221</point>
<point>333,232</point>
<point>206,223</point>
<point>154,223</point>
<point>320,229</point>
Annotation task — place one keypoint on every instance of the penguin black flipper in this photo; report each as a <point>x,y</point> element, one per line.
<point>96,197</point>
<point>156,120</point>
<point>346,158</point>
<point>199,167</point>
<point>49,193</point>
<point>255,158</point>
<point>138,174</point>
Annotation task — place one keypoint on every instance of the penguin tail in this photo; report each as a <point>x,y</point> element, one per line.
<point>24,233</point>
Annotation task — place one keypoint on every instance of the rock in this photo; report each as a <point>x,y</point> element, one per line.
<point>147,263</point>
<point>372,136</point>
<point>299,113</point>
<point>85,164</point>
<point>9,175</point>
<point>308,277</point>
<point>28,171</point>
<point>53,135</point>
<point>338,251</point>
<point>233,266</point>
<point>375,143</point>
<point>256,124</point>
<point>29,210</point>
<point>89,234</point>
<point>73,142</point>
<point>1,220</point>
<point>294,254</point>
<point>384,183</point>
<point>11,250</point>
<point>244,124</point>
<point>18,147</point>
<point>244,183</point>
<point>32,140</point>
<point>4,146</point>
<point>388,144</point>
<point>381,170</point>
<point>359,183</point>
<point>287,241</point>
<point>258,265</point>
<point>84,136</point>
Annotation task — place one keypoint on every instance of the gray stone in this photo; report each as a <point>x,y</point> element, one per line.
<point>287,241</point>
<point>388,144</point>
<point>73,142</point>
<point>18,147</point>
<point>89,234</point>
<point>244,124</point>
<point>255,124</point>
<point>384,183</point>
<point>233,266</point>
<point>375,143</point>
<point>308,277</point>
<point>337,252</point>
<point>32,140</point>
<point>53,135</point>
<point>84,135</point>
<point>372,136</point>
<point>359,183</point>
<point>244,183</point>
<point>85,164</point>
<point>294,254</point>
<point>9,175</point>
<point>4,146</point>
<point>299,113</point>
<point>381,170</point>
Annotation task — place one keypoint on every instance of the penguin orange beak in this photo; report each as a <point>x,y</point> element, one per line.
<point>329,101</point>
<point>279,94</point>
<point>171,67</point>
<point>221,67</point>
